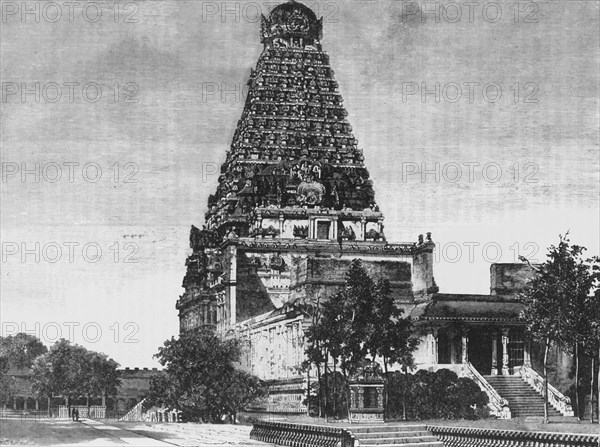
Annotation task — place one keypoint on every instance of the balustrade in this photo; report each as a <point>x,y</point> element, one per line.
<point>498,405</point>
<point>481,437</point>
<point>299,435</point>
<point>555,398</point>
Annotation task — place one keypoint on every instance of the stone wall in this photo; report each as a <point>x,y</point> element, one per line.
<point>314,276</point>
<point>135,382</point>
<point>509,279</point>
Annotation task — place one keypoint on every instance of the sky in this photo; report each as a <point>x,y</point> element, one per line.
<point>478,120</point>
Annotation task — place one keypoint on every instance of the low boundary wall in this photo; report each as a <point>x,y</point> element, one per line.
<point>299,435</point>
<point>476,437</point>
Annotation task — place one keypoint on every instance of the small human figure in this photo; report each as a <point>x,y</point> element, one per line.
<point>76,414</point>
<point>72,411</point>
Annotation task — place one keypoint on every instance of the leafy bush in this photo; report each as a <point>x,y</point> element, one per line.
<point>426,395</point>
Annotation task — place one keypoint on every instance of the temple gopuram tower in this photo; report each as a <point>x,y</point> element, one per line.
<point>293,207</point>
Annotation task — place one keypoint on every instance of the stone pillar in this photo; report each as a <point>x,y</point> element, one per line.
<point>280,225</point>
<point>451,338</point>
<point>363,229</point>
<point>527,354</point>
<point>432,346</point>
<point>494,353</point>
<point>380,225</point>
<point>259,220</point>
<point>505,370</point>
<point>465,341</point>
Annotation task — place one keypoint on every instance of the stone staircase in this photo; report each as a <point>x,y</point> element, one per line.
<point>395,436</point>
<point>523,400</point>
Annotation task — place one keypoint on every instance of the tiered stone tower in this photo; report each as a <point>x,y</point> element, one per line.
<point>294,205</point>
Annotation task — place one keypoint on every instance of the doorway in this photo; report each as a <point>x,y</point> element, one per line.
<point>480,351</point>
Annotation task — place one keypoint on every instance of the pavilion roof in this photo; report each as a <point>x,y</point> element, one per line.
<point>470,308</point>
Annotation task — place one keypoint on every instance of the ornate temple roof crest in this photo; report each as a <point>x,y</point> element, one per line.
<point>292,24</point>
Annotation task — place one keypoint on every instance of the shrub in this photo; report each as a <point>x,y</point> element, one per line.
<point>434,395</point>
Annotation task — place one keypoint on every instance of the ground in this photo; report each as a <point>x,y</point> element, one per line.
<point>52,432</point>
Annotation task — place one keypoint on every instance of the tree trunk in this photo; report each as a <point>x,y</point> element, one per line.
<point>404,391</point>
<point>334,388</point>
<point>319,391</point>
<point>347,391</point>
<point>308,390</point>
<point>326,384</point>
<point>546,348</point>
<point>592,393</point>
<point>577,381</point>
<point>385,390</point>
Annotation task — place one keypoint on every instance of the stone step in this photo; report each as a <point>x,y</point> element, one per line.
<point>386,428</point>
<point>391,434</point>
<point>526,394</point>
<point>416,444</point>
<point>523,386</point>
<point>395,436</point>
<point>400,440</point>
<point>515,388</point>
<point>523,399</point>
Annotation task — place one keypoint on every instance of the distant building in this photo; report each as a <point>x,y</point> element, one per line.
<point>293,207</point>
<point>135,384</point>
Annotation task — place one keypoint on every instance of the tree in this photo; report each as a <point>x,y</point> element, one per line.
<point>360,320</point>
<point>239,389</point>
<point>581,278</point>
<point>340,331</point>
<point>390,336</point>
<point>200,377</point>
<point>334,391</point>
<point>102,377</point>
<point>592,341</point>
<point>72,371</point>
<point>7,383</point>
<point>555,302</point>
<point>21,349</point>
